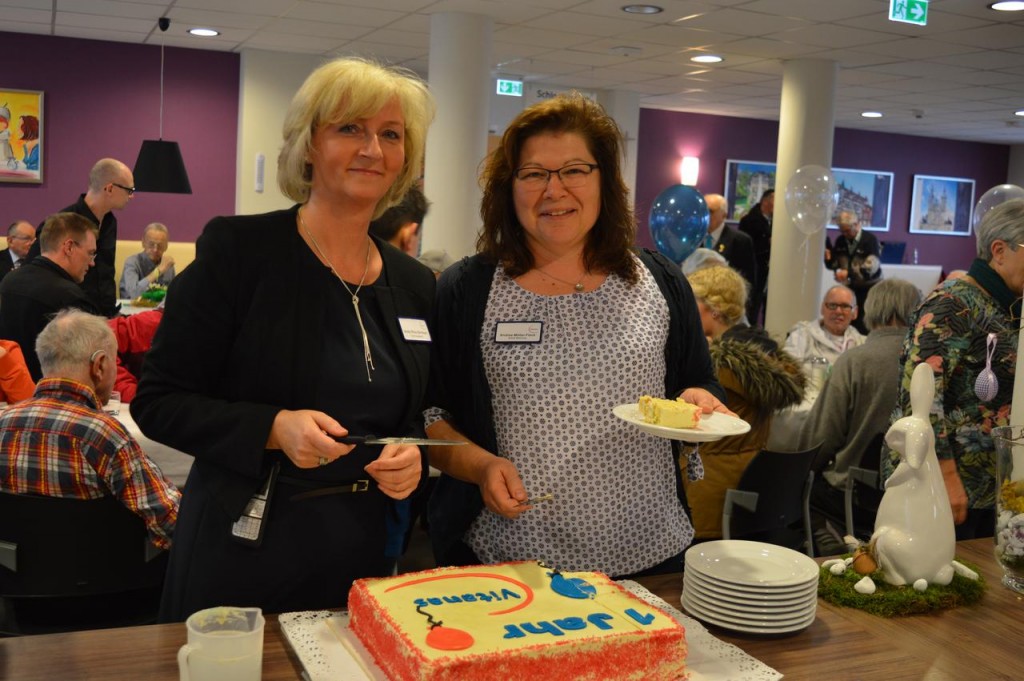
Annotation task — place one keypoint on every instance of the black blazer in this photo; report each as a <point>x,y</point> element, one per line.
<point>738,249</point>
<point>240,340</point>
<point>6,263</point>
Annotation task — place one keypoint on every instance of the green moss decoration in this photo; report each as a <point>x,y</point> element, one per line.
<point>155,293</point>
<point>898,601</point>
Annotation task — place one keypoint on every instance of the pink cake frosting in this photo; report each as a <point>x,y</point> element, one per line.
<point>513,621</point>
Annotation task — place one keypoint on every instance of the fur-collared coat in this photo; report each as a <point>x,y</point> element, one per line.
<point>759,378</point>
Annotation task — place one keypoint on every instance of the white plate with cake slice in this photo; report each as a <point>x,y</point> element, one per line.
<point>711,427</point>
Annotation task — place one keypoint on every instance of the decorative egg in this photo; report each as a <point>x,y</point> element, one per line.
<point>864,563</point>
<point>865,586</point>
<point>838,568</point>
<point>921,585</point>
<point>986,385</point>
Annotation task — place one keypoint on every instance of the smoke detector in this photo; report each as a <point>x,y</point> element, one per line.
<point>625,50</point>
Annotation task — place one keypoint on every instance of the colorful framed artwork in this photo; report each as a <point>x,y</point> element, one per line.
<point>942,205</point>
<point>21,136</point>
<point>745,181</point>
<point>868,193</point>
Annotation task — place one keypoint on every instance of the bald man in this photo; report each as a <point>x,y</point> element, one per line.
<point>20,237</point>
<point>111,187</point>
<point>733,245</point>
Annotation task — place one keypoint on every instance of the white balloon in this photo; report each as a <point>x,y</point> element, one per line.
<point>993,197</point>
<point>811,198</point>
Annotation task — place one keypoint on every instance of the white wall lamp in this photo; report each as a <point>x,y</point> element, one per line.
<point>689,170</point>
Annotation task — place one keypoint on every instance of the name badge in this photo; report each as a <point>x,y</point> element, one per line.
<point>414,330</point>
<point>518,332</point>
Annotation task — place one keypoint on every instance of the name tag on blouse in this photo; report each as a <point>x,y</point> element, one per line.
<point>518,332</point>
<point>414,330</point>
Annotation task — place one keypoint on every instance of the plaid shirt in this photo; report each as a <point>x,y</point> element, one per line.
<point>60,443</point>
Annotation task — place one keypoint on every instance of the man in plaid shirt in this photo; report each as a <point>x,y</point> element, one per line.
<point>61,443</point>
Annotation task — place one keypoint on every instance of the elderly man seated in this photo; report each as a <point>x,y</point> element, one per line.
<point>153,266</point>
<point>832,334</point>
<point>61,443</point>
<point>860,394</point>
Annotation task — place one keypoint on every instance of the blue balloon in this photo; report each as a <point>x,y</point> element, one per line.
<point>679,221</point>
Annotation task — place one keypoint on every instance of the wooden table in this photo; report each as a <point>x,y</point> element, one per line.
<point>979,642</point>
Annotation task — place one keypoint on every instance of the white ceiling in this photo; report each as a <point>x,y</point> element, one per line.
<point>960,77</point>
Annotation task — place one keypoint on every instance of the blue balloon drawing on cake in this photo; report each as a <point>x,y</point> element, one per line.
<point>571,588</point>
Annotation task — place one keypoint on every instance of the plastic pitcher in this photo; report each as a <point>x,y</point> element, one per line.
<point>224,644</point>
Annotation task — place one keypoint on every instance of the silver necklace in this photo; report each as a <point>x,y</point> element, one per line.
<point>577,287</point>
<point>367,357</point>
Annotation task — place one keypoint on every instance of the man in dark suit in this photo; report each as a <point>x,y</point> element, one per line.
<point>735,246</point>
<point>48,283</point>
<point>20,237</point>
<point>855,259</point>
<point>757,224</point>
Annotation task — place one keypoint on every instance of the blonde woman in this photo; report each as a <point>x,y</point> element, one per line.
<point>759,378</point>
<point>288,331</point>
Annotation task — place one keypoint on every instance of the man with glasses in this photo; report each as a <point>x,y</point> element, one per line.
<point>153,266</point>
<point>31,295</point>
<point>111,187</point>
<point>832,334</point>
<point>20,237</point>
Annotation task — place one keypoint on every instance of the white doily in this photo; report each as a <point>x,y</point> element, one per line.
<point>322,642</point>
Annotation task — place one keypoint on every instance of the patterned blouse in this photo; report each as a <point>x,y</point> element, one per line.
<point>615,505</point>
<point>950,332</point>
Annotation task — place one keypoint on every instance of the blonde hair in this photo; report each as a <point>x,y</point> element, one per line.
<point>722,289</point>
<point>344,90</point>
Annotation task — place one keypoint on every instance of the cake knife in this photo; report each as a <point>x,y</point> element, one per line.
<point>374,440</point>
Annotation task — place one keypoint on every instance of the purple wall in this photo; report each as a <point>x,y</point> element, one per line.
<point>666,136</point>
<point>102,99</point>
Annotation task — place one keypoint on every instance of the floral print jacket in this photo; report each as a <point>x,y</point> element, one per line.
<point>950,331</point>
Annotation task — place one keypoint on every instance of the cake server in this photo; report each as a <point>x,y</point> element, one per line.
<point>374,440</point>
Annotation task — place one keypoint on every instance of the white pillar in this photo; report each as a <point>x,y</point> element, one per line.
<point>460,79</point>
<point>806,126</point>
<point>624,107</point>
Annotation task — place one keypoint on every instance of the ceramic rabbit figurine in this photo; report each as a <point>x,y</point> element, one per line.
<point>914,537</point>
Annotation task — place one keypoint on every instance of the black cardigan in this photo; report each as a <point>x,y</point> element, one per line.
<point>240,340</point>
<point>458,383</point>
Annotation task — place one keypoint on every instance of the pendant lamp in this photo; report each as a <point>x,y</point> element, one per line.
<point>159,167</point>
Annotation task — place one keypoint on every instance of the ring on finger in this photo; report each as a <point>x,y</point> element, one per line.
<point>323,461</point>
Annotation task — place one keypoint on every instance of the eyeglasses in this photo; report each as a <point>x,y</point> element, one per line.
<point>91,254</point>
<point>130,190</point>
<point>845,307</point>
<point>572,176</point>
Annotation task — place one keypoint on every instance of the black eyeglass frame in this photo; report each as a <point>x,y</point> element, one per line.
<point>130,190</point>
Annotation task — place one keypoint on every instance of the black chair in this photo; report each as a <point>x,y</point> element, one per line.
<point>863,490</point>
<point>71,564</point>
<point>771,501</point>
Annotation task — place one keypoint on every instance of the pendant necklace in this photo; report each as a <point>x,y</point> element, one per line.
<point>577,287</point>
<point>367,357</point>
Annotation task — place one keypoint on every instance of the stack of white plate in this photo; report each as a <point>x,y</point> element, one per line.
<point>750,587</point>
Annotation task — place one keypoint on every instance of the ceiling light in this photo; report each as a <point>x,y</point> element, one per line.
<point>203,32</point>
<point>1007,6</point>
<point>871,114</point>
<point>706,59</point>
<point>1019,113</point>
<point>642,9</point>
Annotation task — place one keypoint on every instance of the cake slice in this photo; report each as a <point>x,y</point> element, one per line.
<point>669,413</point>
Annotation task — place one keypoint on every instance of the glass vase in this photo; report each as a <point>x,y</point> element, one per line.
<point>1009,534</point>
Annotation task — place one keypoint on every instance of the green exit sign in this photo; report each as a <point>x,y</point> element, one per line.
<point>909,11</point>
<point>510,88</point>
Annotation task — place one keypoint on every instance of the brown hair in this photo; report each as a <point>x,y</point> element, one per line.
<point>61,226</point>
<point>610,242</point>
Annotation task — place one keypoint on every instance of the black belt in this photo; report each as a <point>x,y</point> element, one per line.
<point>324,488</point>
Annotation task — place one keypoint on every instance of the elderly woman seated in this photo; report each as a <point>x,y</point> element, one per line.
<point>759,379</point>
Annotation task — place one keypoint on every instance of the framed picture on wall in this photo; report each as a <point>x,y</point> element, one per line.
<point>942,205</point>
<point>868,193</point>
<point>21,136</point>
<point>745,181</point>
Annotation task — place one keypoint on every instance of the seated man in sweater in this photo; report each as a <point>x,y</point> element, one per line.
<point>95,455</point>
<point>153,266</point>
<point>860,393</point>
<point>832,334</point>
